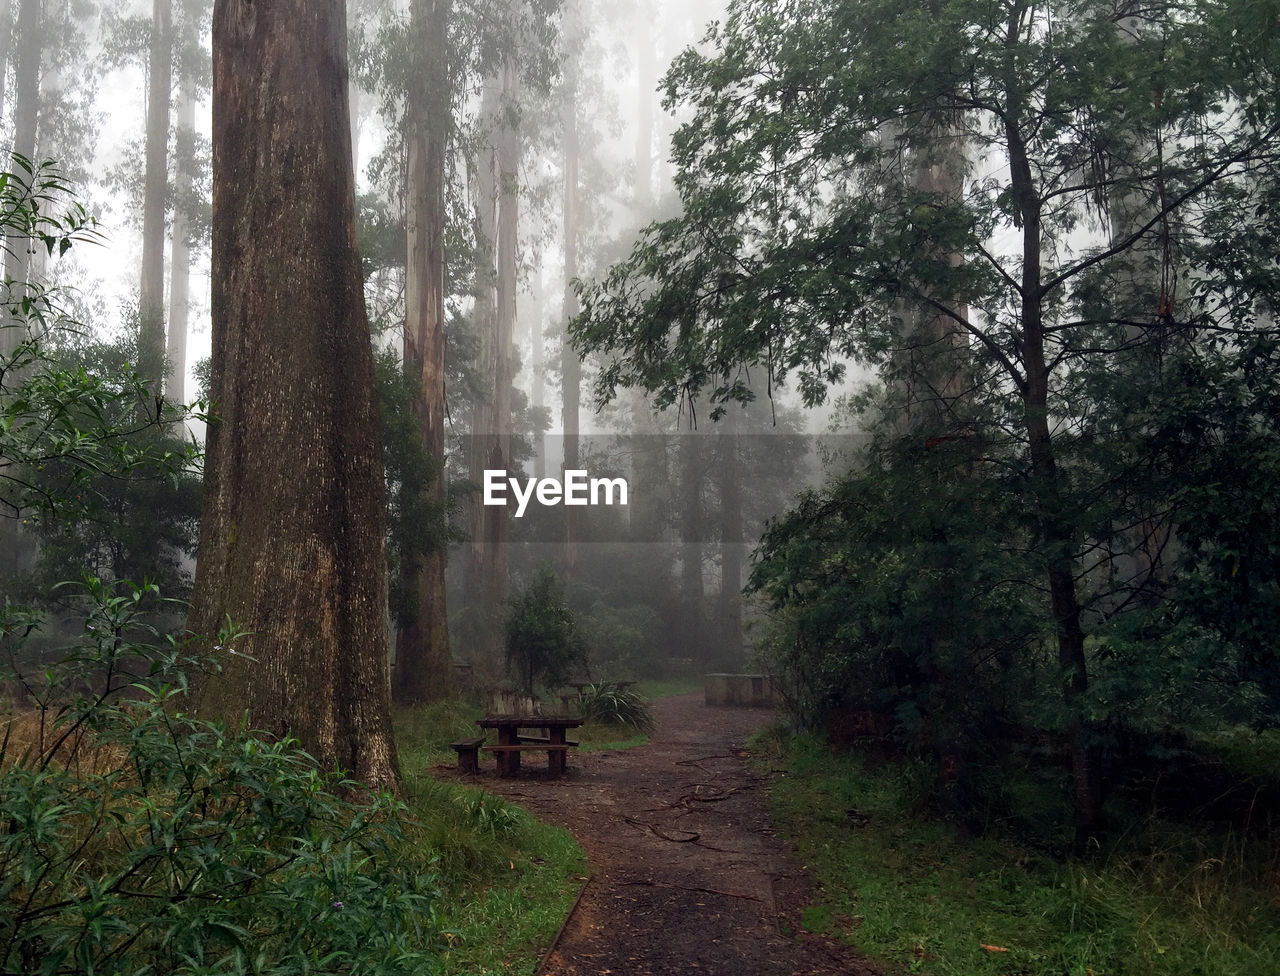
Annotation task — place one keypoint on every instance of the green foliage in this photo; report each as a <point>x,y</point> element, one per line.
<point>620,707</point>
<point>1216,433</point>
<point>88,459</point>
<point>1166,901</point>
<point>137,523</point>
<point>900,590</point>
<point>143,839</point>
<point>417,521</point>
<point>1078,204</point>
<point>543,642</point>
<point>542,636</point>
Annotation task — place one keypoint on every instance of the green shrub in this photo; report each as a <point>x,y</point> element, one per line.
<point>611,705</point>
<point>139,839</point>
<point>543,641</point>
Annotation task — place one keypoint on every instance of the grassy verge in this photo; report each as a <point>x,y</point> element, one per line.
<point>507,880</point>
<point>1167,901</point>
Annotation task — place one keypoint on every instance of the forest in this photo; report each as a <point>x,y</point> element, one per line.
<point>368,364</point>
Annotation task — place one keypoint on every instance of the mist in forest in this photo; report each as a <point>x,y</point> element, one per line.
<point>551,150</point>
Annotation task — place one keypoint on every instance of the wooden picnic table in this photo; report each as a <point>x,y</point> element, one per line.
<point>509,745</point>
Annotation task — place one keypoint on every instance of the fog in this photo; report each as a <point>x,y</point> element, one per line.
<point>673,537</point>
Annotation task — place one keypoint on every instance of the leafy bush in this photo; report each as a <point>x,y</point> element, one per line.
<point>543,641</point>
<point>140,839</point>
<point>611,705</point>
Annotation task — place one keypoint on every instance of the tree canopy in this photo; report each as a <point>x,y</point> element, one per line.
<point>1036,219</point>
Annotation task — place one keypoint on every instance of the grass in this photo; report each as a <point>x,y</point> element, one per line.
<point>600,737</point>
<point>424,733</point>
<point>669,687</point>
<point>1167,901</point>
<point>507,880</point>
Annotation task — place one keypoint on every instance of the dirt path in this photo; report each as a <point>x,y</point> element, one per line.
<point>687,875</point>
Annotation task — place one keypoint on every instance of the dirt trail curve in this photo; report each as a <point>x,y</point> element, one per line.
<point>687,875</point>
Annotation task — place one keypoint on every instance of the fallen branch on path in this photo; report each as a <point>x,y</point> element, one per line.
<point>659,833</point>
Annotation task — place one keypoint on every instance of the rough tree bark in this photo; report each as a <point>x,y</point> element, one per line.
<point>292,544</point>
<point>151,343</point>
<point>424,665</point>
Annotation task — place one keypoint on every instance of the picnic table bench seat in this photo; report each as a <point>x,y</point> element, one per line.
<point>468,751</point>
<point>507,766</point>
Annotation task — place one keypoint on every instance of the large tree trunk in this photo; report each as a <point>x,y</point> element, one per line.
<point>424,665</point>
<point>26,115</point>
<point>292,545</point>
<point>646,83</point>
<point>484,623</point>
<point>151,344</point>
<point>692,527</point>
<point>17,261</point>
<point>729,477</point>
<point>180,243</point>
<point>499,452</point>
<point>538,365</point>
<point>570,366</point>
<point>6,45</point>
<point>938,366</point>
<point>495,320</point>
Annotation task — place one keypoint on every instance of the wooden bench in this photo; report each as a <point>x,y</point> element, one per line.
<point>468,751</point>
<point>555,756</point>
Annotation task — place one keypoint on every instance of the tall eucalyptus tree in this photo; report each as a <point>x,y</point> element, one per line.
<point>155,195</point>
<point>292,547</point>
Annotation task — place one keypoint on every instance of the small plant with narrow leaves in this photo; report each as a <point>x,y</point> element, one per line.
<point>609,704</point>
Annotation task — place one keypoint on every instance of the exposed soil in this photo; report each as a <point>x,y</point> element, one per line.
<point>687,873</point>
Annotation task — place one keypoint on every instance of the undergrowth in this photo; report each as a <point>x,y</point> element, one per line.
<point>507,881</point>
<point>609,704</point>
<point>138,839</point>
<point>1166,899</point>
